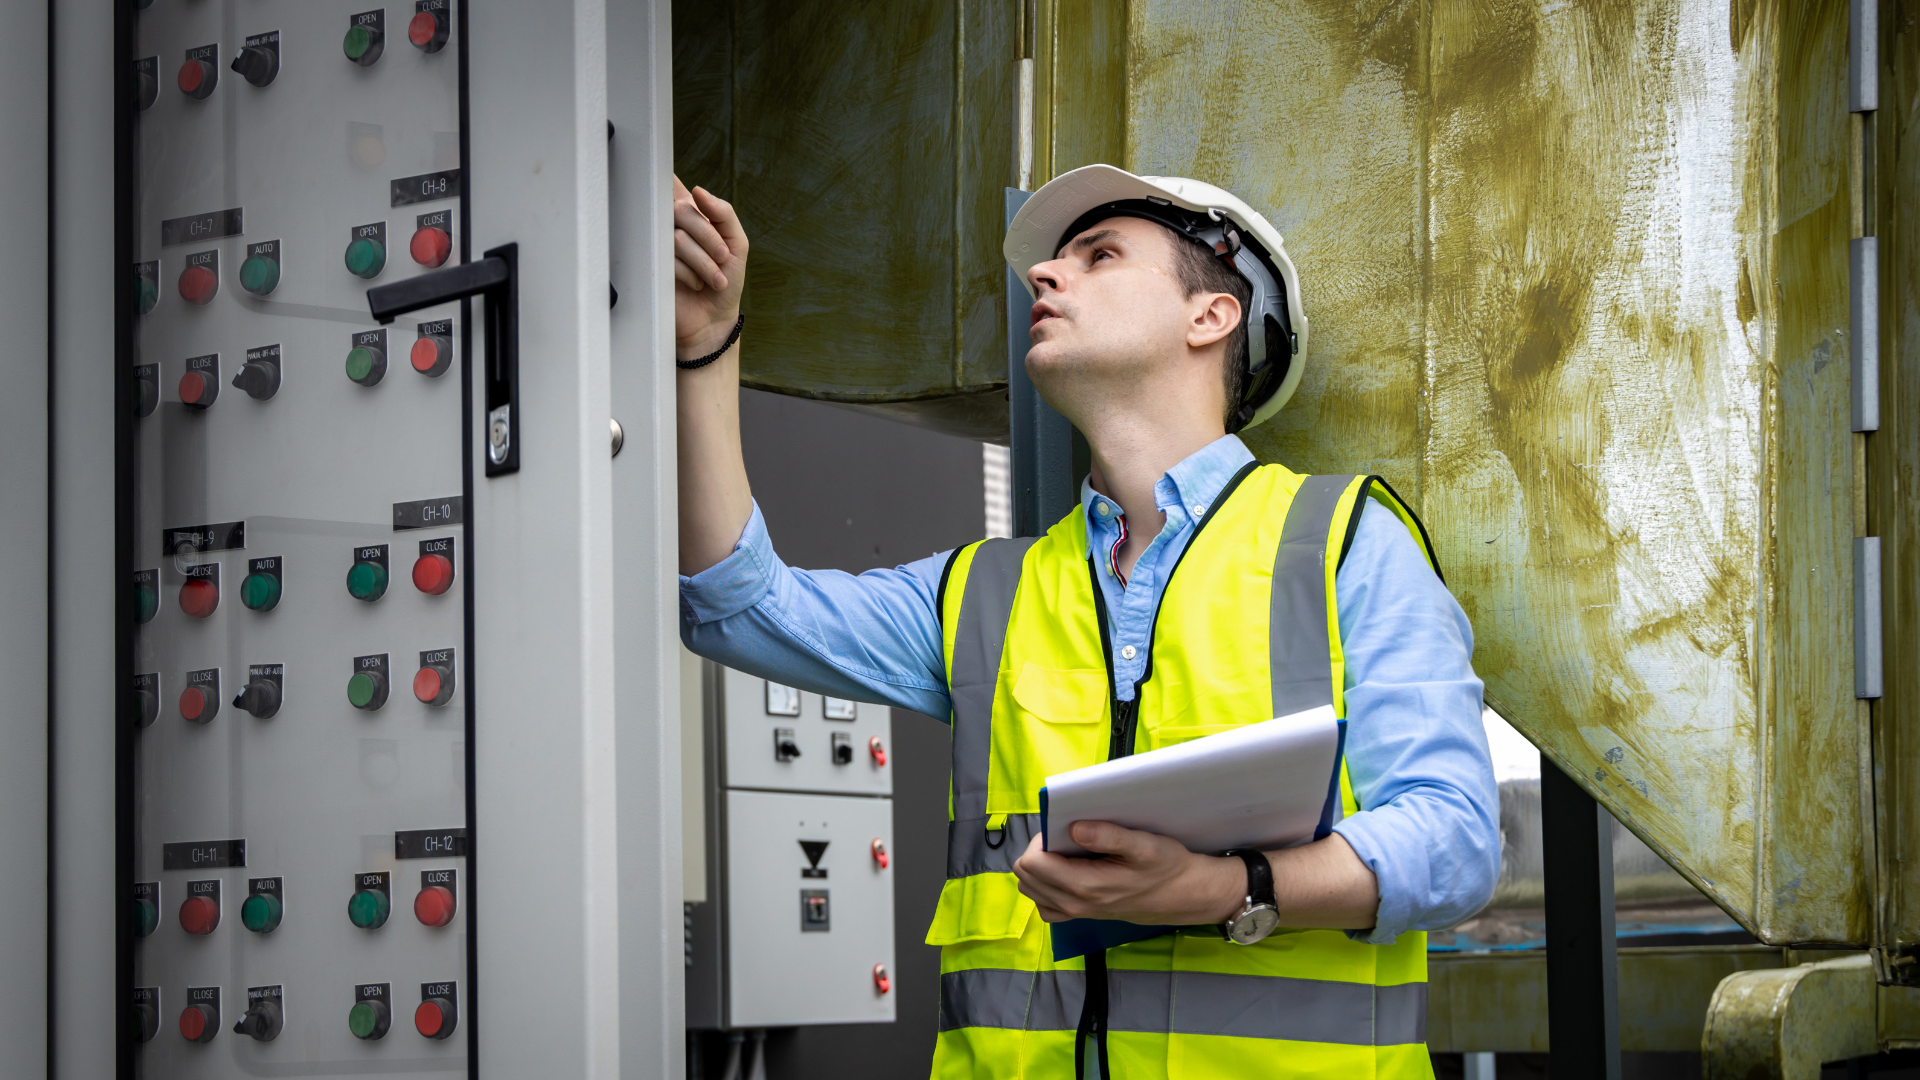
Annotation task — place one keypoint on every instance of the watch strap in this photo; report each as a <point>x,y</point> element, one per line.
<point>1259,876</point>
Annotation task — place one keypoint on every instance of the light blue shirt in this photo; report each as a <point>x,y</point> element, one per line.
<point>1416,750</point>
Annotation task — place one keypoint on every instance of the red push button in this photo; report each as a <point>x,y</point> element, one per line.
<point>193,702</point>
<point>434,1018</point>
<point>193,387</point>
<point>199,915</point>
<point>420,31</point>
<point>196,79</point>
<point>431,355</point>
<point>198,284</point>
<point>197,1023</point>
<point>430,246</point>
<point>433,684</point>
<point>433,574</point>
<point>434,905</point>
<point>199,596</point>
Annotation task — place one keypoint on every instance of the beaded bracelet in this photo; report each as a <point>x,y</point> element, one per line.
<point>689,365</point>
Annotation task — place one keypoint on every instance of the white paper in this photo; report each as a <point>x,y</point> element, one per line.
<point>1262,786</point>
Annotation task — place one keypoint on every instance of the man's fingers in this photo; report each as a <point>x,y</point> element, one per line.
<point>687,218</point>
<point>1106,838</point>
<point>684,275</point>
<point>725,220</point>
<point>696,258</point>
<point>679,189</point>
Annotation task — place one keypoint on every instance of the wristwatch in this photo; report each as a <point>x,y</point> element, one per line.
<point>1262,913</point>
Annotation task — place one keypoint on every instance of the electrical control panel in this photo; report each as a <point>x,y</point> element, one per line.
<point>798,927</point>
<point>298,547</point>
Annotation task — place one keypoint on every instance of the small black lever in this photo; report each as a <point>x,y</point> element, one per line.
<point>495,279</point>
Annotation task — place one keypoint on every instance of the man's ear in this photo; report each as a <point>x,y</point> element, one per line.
<point>1213,321</point>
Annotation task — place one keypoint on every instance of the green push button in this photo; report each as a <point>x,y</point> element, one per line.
<point>146,916</point>
<point>261,912</point>
<point>145,603</point>
<point>360,364</point>
<point>361,689</point>
<point>367,581</point>
<point>366,258</point>
<point>149,295</point>
<point>259,275</point>
<point>361,1021</point>
<point>260,591</point>
<point>368,909</point>
<point>358,40</point>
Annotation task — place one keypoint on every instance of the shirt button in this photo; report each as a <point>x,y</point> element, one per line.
<point>1199,510</point>
<point>1102,509</point>
<point>1127,652</point>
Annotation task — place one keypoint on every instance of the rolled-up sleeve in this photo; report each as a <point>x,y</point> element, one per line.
<point>1416,745</point>
<point>869,637</point>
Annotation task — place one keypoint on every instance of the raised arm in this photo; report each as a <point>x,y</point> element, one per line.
<point>709,267</point>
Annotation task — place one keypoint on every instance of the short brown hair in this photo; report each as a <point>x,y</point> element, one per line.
<point>1199,270</point>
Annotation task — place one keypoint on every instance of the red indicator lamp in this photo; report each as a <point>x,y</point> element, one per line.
<point>879,752</point>
<point>880,980</point>
<point>198,1024</point>
<point>199,915</point>
<point>434,905</point>
<point>430,246</point>
<point>198,284</point>
<point>199,596</point>
<point>433,574</point>
<point>427,30</point>
<point>879,849</point>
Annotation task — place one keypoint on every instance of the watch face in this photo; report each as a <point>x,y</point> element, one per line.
<point>1253,924</point>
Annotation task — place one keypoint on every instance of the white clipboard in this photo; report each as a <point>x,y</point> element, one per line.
<point>1269,785</point>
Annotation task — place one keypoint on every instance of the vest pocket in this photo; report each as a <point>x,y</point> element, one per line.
<point>1056,722</point>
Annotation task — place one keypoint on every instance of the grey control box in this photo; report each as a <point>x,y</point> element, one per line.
<point>797,927</point>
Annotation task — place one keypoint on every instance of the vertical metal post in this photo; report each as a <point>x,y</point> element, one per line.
<point>1041,439</point>
<point>1583,1013</point>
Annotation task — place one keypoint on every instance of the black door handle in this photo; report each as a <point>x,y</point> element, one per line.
<point>494,277</point>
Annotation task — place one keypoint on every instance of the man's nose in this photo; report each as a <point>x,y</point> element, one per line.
<point>1045,275</point>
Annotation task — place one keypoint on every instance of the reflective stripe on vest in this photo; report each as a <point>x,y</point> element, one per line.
<point>980,637</point>
<point>1190,1003</point>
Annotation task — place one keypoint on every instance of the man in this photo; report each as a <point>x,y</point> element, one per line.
<point>1191,592</point>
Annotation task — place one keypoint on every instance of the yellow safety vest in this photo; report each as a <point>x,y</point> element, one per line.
<point>1248,629</point>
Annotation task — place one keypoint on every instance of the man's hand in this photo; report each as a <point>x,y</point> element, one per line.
<point>709,269</point>
<point>1150,879</point>
<point>1143,878</point>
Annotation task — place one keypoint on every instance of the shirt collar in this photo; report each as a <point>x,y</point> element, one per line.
<point>1188,488</point>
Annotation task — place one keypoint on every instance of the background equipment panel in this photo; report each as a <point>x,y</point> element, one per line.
<point>300,709</point>
<point>798,925</point>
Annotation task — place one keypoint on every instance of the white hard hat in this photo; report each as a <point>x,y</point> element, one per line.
<point>1276,323</point>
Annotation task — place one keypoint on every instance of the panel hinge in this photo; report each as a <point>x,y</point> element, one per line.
<point>1867,663</point>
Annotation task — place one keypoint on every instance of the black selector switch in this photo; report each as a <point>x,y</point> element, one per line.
<point>261,696</point>
<point>262,1020</point>
<point>259,60</point>
<point>260,375</point>
<point>842,748</point>
<point>785,746</point>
